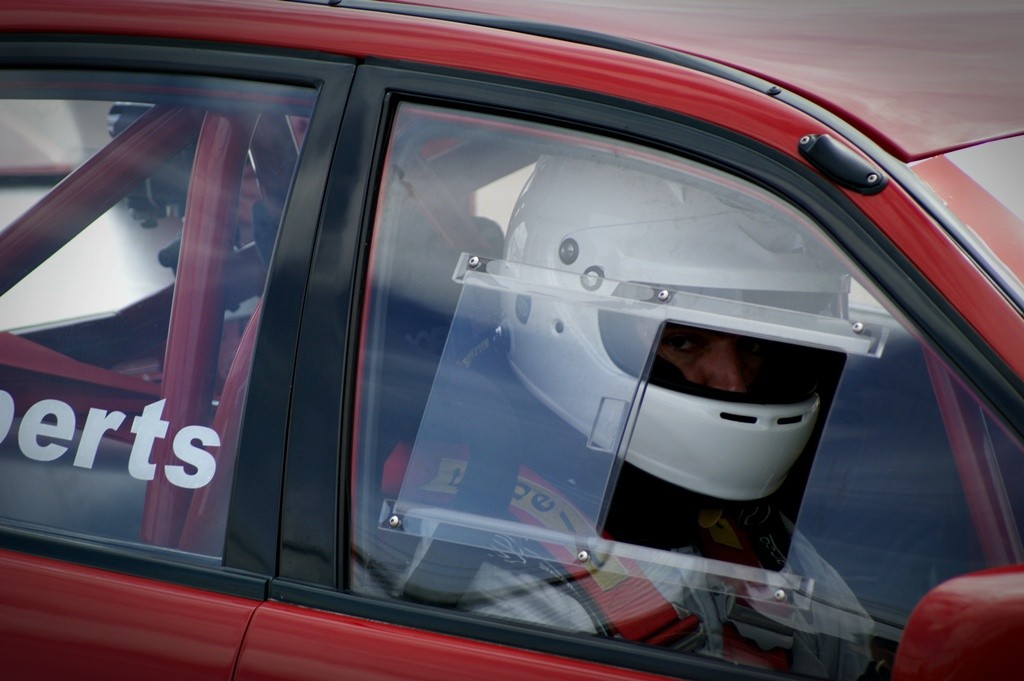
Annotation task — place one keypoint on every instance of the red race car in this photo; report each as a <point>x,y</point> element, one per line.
<point>505,340</point>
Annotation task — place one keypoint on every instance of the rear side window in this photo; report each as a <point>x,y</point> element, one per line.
<point>138,217</point>
<point>608,390</point>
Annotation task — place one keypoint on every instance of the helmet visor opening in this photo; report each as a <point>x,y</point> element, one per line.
<point>734,368</point>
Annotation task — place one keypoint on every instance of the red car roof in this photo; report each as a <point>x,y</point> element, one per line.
<point>918,76</point>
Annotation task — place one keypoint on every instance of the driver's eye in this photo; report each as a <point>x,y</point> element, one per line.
<point>680,342</point>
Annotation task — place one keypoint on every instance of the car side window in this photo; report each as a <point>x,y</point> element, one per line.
<point>611,390</point>
<point>139,215</point>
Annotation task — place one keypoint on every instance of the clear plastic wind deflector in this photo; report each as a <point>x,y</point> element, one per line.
<point>495,466</point>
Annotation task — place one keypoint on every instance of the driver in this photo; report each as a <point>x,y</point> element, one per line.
<point>690,346</point>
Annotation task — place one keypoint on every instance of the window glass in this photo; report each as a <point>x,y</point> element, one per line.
<point>992,165</point>
<point>138,214</point>
<point>610,390</point>
<point>977,183</point>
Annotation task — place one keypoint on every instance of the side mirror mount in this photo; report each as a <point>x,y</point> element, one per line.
<point>968,628</point>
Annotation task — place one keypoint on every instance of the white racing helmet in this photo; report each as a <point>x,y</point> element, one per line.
<point>666,246</point>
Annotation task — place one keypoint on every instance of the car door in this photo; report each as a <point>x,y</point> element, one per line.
<point>448,478</point>
<point>155,202</point>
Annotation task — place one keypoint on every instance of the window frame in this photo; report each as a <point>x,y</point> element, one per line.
<point>250,552</point>
<point>314,550</point>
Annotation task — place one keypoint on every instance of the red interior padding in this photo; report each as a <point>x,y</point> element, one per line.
<point>206,522</point>
<point>31,372</point>
<point>197,313</point>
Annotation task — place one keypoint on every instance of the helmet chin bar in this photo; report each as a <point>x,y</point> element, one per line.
<point>728,450</point>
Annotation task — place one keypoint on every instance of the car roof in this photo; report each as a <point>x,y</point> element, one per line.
<point>919,77</point>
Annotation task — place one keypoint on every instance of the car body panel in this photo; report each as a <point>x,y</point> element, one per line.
<point>983,609</point>
<point>60,620</point>
<point>892,101</point>
<point>992,219</point>
<point>289,643</point>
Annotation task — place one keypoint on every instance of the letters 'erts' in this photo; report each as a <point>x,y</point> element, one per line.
<point>48,427</point>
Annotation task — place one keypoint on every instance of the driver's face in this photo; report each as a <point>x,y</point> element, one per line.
<point>715,359</point>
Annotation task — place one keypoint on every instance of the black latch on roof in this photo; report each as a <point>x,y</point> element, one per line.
<point>841,165</point>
